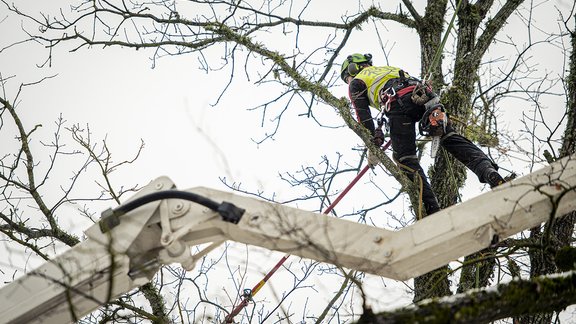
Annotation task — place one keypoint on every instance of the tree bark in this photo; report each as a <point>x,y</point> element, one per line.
<point>430,27</point>
<point>479,271</point>
<point>558,233</point>
<point>506,300</point>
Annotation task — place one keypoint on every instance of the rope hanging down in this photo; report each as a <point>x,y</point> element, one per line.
<point>435,61</point>
<point>249,294</point>
<point>440,48</point>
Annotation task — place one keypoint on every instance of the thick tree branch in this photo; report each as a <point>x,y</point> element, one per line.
<point>494,25</point>
<point>481,306</point>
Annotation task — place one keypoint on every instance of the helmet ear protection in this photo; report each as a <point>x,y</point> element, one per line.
<point>354,64</point>
<point>355,67</point>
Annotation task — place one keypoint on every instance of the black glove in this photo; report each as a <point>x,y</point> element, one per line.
<point>378,138</point>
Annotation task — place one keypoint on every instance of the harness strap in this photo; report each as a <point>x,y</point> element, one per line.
<point>404,91</point>
<point>447,135</point>
<point>388,96</point>
<point>407,157</point>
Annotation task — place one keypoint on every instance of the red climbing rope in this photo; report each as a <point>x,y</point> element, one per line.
<point>248,294</point>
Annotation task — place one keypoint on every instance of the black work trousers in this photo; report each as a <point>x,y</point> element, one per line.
<point>403,119</point>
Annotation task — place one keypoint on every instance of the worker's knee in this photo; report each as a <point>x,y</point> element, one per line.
<point>408,162</point>
<point>410,165</point>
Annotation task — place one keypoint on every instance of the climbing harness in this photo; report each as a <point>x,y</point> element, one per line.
<point>386,98</point>
<point>422,93</point>
<point>397,90</point>
<point>395,93</point>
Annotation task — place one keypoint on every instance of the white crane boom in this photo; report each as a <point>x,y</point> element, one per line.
<point>159,225</point>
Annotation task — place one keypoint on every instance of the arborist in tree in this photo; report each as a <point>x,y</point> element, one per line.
<point>406,101</point>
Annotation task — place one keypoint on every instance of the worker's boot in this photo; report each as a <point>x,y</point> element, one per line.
<point>487,173</point>
<point>494,178</point>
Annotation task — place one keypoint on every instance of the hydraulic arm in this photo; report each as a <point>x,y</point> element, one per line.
<point>159,225</point>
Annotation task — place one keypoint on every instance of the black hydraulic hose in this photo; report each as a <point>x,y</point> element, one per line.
<point>166,194</point>
<point>228,211</point>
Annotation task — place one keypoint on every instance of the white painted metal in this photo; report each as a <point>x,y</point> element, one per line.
<point>85,277</point>
<point>424,246</point>
<point>161,233</point>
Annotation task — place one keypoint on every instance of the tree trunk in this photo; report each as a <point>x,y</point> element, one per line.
<point>434,283</point>
<point>560,231</point>
<point>479,272</point>
<point>448,174</point>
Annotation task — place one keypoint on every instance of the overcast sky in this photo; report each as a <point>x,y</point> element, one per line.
<point>123,98</point>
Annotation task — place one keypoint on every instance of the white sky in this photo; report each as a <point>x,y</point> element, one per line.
<point>122,98</point>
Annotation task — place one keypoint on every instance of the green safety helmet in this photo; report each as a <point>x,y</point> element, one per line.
<point>353,64</point>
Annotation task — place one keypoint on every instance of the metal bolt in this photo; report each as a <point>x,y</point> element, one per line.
<point>159,186</point>
<point>179,208</point>
<point>387,253</point>
<point>377,239</point>
<point>255,219</point>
